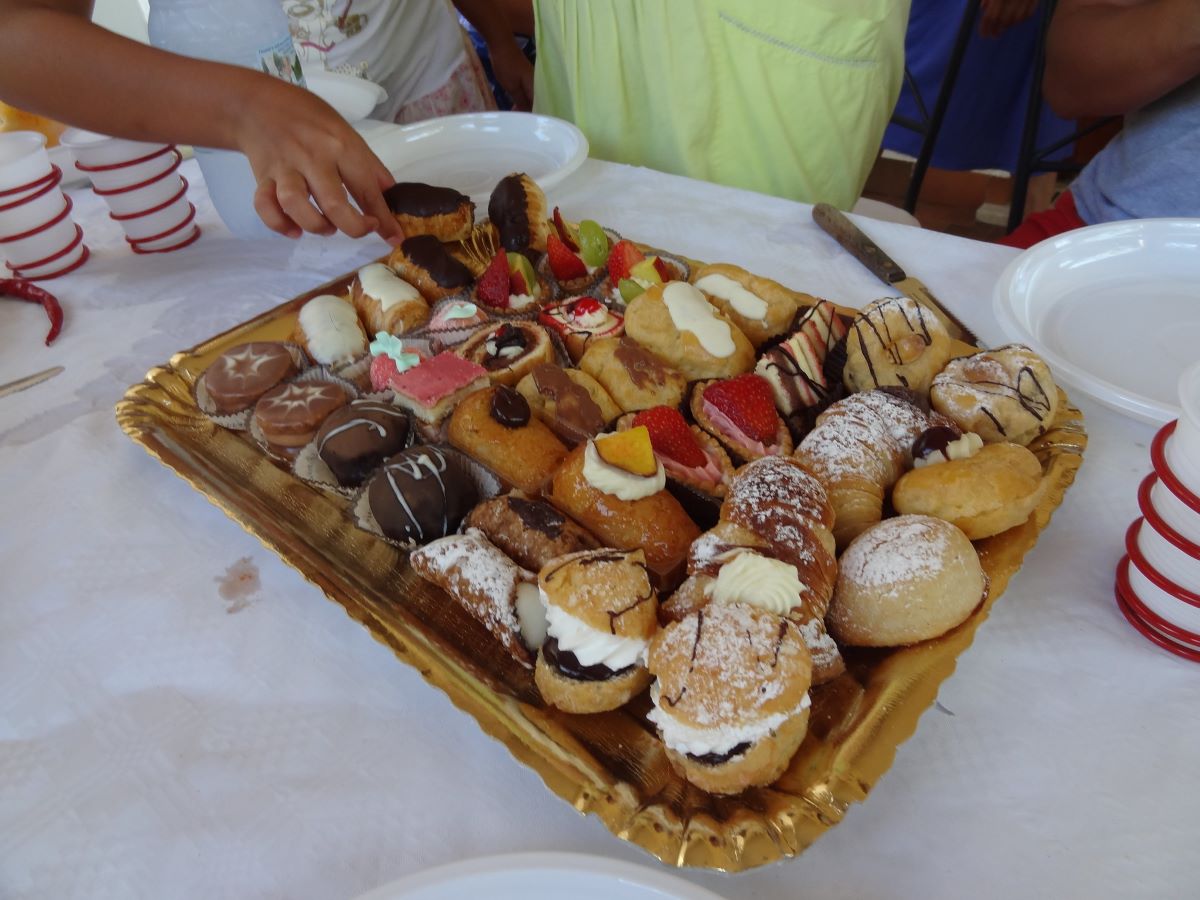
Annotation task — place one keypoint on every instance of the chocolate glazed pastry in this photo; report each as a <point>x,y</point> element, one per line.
<point>412,198</point>
<point>509,408</point>
<point>428,253</point>
<point>420,494</point>
<point>577,415</point>
<point>356,439</point>
<point>508,209</point>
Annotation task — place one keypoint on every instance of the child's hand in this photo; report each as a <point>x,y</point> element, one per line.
<point>307,158</point>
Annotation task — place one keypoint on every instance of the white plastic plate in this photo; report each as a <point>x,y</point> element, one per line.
<point>541,876</point>
<point>473,151</point>
<point>1114,309</point>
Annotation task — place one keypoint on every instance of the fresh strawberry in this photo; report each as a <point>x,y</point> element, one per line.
<point>516,284</point>
<point>623,257</point>
<point>663,270</point>
<point>747,401</point>
<point>563,263</point>
<point>564,231</point>
<point>670,436</point>
<point>493,285</point>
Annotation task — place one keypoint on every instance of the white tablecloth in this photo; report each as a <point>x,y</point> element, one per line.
<point>159,739</point>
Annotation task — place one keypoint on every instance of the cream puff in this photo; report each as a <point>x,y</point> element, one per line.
<point>677,324</point>
<point>1004,394</point>
<point>895,341</point>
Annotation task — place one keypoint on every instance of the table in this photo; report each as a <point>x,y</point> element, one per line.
<point>182,715</point>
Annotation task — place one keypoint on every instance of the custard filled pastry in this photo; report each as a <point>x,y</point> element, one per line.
<point>1005,394</point>
<point>386,302</point>
<point>760,307</point>
<point>895,341</point>
<point>636,379</point>
<point>424,263</point>
<point>730,695</point>
<point>678,325</point>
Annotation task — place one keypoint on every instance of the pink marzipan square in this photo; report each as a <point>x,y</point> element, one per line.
<point>437,378</point>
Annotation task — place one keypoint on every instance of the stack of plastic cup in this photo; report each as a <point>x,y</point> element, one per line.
<point>38,237</point>
<point>142,186</point>
<point>1158,581</point>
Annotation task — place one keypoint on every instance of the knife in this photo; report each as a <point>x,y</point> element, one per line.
<point>29,381</point>
<point>867,252</point>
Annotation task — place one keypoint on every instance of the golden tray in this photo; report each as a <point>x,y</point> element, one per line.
<point>610,764</point>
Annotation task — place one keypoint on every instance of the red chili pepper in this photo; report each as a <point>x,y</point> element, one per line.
<point>20,289</point>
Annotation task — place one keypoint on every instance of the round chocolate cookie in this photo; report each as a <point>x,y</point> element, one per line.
<point>242,374</point>
<point>421,493</point>
<point>357,438</point>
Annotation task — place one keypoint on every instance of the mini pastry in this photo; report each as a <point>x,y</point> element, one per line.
<point>390,356</point>
<point>895,341</point>
<point>904,580</point>
<point>495,426</point>
<point>795,368</point>
<point>420,494</point>
<point>288,416</point>
<point>425,209</point>
<point>858,448</point>
<point>509,286</point>
<point>613,486</point>
<point>760,307</point>
<point>239,376</point>
<point>355,439</point>
<point>633,377</point>
<point>328,328</point>
<point>509,351</point>
<point>453,321</point>
<point>689,455</point>
<point>531,532</point>
<point>730,696</point>
<point>518,210</point>
<point>386,302</point>
<point>424,263</point>
<point>632,273</point>
<point>982,489</point>
<point>571,402</point>
<point>680,327</point>
<point>600,615</point>
<point>1005,394</point>
<point>430,390</point>
<point>740,413</point>
<point>500,595</point>
<point>580,322</point>
<point>784,503</point>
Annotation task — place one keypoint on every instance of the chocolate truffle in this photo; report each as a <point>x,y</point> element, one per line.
<point>420,494</point>
<point>242,374</point>
<point>357,438</point>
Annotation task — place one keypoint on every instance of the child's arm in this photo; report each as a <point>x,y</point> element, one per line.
<point>55,62</point>
<point>513,71</point>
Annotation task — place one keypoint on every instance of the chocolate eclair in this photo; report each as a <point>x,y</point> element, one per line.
<point>517,209</point>
<point>508,351</point>
<point>424,262</point>
<point>420,209</point>
<point>420,494</point>
<point>601,612</point>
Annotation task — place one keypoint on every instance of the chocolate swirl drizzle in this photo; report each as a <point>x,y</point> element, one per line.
<point>916,324</point>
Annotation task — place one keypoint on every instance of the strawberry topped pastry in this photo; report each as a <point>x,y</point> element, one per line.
<point>580,319</point>
<point>740,413</point>
<point>688,454</point>
<point>631,272</point>
<point>795,368</point>
<point>576,256</point>
<point>509,286</point>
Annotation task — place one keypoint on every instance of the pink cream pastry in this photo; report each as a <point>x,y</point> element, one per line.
<point>431,390</point>
<point>740,413</point>
<point>688,454</point>
<point>390,356</point>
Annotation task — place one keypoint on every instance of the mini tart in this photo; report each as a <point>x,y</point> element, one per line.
<point>730,695</point>
<point>737,442</point>
<point>609,291</point>
<point>453,320</point>
<point>579,321</point>
<point>508,351</point>
<point>517,209</point>
<point>711,479</point>
<point>496,427</point>
<point>420,209</point>
<point>601,612</point>
<point>424,262</point>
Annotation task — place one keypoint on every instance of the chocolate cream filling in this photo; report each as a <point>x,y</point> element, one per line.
<point>567,663</point>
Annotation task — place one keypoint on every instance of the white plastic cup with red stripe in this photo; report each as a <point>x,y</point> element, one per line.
<point>24,164</point>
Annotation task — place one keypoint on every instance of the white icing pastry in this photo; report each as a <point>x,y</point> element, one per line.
<point>691,312</point>
<point>380,282</point>
<point>616,481</point>
<point>747,303</point>
<point>590,645</point>
<point>331,330</point>
<point>757,580</point>
<point>701,741</point>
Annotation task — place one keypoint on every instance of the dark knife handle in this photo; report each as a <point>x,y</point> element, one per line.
<point>865,250</point>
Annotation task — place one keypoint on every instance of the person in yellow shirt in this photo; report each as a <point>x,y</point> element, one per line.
<point>785,98</point>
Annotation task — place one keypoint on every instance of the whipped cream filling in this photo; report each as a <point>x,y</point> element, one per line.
<point>688,739</point>
<point>591,646</point>
<point>757,580</point>
<point>964,448</point>
<point>745,302</point>
<point>520,301</point>
<point>729,427</point>
<point>590,320</point>
<point>616,481</point>
<point>380,282</point>
<point>709,473</point>
<point>691,312</point>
